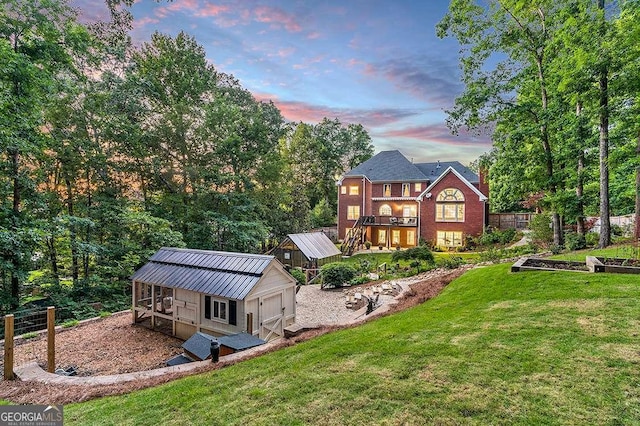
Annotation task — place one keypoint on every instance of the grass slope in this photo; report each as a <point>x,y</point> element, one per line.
<point>493,348</point>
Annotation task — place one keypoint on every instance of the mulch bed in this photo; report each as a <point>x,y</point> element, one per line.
<point>20,392</point>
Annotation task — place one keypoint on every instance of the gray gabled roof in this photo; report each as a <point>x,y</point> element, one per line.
<point>387,166</point>
<point>392,166</point>
<point>314,245</point>
<point>224,274</point>
<point>433,170</point>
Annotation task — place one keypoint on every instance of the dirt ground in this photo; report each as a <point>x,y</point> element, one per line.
<point>113,345</point>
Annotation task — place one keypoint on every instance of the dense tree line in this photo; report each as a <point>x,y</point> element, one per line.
<point>558,84</point>
<point>109,151</point>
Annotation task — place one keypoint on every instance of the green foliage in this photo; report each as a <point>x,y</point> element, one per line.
<point>337,274</point>
<point>450,262</point>
<point>541,232</point>
<point>497,236</point>
<point>575,241</point>
<point>532,324</point>
<point>30,335</point>
<point>359,280</point>
<point>298,275</point>
<point>422,253</point>
<point>104,314</point>
<point>70,323</point>
<point>322,215</point>
<point>591,238</point>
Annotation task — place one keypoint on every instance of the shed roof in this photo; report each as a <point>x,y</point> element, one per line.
<point>229,275</point>
<point>315,245</point>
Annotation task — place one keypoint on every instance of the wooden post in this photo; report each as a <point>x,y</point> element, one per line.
<point>51,339</point>
<point>8,347</point>
<point>250,323</point>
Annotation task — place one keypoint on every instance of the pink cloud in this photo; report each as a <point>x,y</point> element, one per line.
<point>313,35</point>
<point>176,6</point>
<point>210,9</point>
<point>300,111</point>
<point>277,17</point>
<point>438,133</point>
<point>139,23</point>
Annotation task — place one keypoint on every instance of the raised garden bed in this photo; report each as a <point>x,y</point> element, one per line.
<point>541,264</point>
<point>613,265</point>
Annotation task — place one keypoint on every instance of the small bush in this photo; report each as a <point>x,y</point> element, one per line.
<point>359,280</point>
<point>490,255</point>
<point>592,238</point>
<point>299,276</point>
<point>414,253</point>
<point>575,241</point>
<point>104,314</point>
<point>556,248</point>
<point>541,230</point>
<point>336,274</point>
<point>452,262</point>
<point>30,335</point>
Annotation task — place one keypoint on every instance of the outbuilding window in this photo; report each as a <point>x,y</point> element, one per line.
<point>215,309</point>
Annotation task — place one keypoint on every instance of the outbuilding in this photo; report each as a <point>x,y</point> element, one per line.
<point>183,291</point>
<point>307,251</point>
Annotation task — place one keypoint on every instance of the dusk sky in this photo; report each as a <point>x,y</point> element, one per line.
<point>377,63</point>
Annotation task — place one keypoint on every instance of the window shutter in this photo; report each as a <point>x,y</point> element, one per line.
<point>232,312</point>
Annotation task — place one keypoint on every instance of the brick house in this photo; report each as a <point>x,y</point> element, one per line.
<point>392,202</point>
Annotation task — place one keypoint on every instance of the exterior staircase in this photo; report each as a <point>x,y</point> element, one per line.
<point>353,238</point>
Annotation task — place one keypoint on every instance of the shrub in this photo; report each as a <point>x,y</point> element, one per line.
<point>104,314</point>
<point>359,280</point>
<point>556,248</point>
<point>414,253</point>
<point>592,238</point>
<point>541,231</point>
<point>575,241</point>
<point>450,262</point>
<point>336,274</point>
<point>30,335</point>
<point>299,276</point>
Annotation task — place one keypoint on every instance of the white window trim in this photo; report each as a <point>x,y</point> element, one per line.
<point>220,302</point>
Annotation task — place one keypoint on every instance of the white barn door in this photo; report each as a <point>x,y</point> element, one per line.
<point>271,316</point>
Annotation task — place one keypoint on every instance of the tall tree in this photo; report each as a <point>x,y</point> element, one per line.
<point>507,48</point>
<point>37,40</point>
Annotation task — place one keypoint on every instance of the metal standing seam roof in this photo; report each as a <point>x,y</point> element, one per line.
<point>224,274</point>
<point>315,245</point>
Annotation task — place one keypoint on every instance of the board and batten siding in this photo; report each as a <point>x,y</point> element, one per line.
<point>275,288</point>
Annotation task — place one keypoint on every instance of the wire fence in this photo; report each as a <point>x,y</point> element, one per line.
<point>28,320</point>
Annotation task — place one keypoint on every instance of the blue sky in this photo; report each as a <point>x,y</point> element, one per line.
<point>377,63</point>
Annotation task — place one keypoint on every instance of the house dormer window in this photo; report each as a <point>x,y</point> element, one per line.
<point>406,189</point>
<point>386,190</point>
<point>450,206</point>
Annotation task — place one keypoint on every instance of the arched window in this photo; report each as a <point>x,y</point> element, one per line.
<point>450,194</point>
<point>385,210</point>
<point>450,206</point>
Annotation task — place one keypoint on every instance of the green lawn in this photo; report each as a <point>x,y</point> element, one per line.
<point>495,347</point>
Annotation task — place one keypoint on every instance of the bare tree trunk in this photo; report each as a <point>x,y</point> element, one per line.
<point>15,259</point>
<point>580,182</point>
<point>603,83</point>
<point>637,221</point>
<point>72,234</point>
